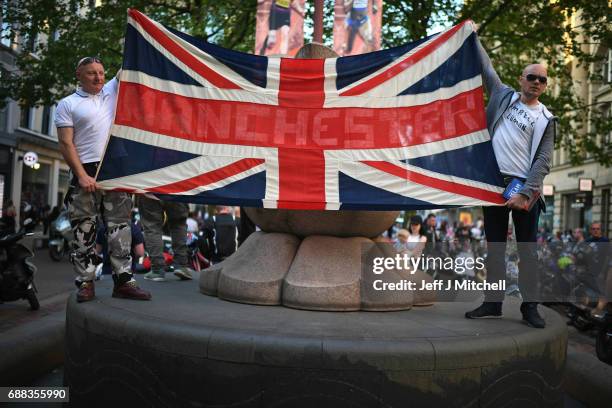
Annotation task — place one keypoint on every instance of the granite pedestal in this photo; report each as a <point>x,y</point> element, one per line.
<point>186,349</point>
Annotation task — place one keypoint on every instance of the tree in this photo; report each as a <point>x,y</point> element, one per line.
<point>515,32</point>
<point>560,33</point>
<point>72,29</point>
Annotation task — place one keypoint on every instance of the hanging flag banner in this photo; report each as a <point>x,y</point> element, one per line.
<point>357,26</point>
<point>402,128</point>
<point>280,27</point>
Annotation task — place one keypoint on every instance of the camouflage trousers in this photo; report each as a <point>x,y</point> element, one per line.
<point>152,219</point>
<point>84,209</point>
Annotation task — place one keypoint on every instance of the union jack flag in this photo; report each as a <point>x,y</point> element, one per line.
<point>402,128</point>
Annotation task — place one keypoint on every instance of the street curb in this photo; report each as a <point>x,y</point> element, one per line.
<point>587,379</point>
<point>32,349</point>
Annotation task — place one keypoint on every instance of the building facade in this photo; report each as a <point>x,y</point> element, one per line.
<point>23,130</point>
<point>580,195</point>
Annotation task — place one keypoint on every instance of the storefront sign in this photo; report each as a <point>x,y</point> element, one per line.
<point>575,173</point>
<point>548,190</point>
<point>30,159</point>
<point>585,184</point>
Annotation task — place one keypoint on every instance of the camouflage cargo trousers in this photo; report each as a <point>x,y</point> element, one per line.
<point>152,219</point>
<point>115,209</point>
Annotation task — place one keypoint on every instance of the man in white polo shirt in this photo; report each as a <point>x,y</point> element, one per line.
<point>83,122</point>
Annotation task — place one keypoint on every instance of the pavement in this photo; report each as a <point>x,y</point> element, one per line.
<point>33,341</point>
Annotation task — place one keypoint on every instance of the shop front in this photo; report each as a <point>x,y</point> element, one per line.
<point>578,209</point>
<point>38,183</point>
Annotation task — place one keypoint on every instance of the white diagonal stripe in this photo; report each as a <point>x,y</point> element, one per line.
<point>406,188</point>
<point>422,68</point>
<point>190,146</point>
<point>410,152</point>
<point>403,101</point>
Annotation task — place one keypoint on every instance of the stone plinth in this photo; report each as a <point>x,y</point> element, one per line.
<point>317,273</point>
<point>185,349</point>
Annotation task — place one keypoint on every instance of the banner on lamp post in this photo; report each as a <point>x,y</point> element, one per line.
<point>280,27</point>
<point>357,26</point>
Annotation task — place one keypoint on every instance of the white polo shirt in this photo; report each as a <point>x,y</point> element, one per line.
<point>91,116</point>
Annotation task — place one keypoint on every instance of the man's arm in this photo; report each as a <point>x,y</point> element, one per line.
<point>68,150</point>
<point>491,80</point>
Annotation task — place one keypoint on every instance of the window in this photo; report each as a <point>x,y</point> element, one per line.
<point>26,114</point>
<point>606,68</point>
<point>3,118</point>
<point>606,138</point>
<point>46,120</point>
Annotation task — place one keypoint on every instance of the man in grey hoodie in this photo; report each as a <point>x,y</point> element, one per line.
<point>522,133</point>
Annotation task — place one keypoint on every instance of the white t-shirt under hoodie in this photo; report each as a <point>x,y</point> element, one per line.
<point>513,136</point>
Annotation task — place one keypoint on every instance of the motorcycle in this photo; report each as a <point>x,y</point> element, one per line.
<point>197,261</point>
<point>590,273</point>
<point>60,235</point>
<point>16,271</point>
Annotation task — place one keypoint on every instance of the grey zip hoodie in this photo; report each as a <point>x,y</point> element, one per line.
<point>501,97</point>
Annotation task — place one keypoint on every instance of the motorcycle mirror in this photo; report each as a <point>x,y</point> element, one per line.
<point>27,222</point>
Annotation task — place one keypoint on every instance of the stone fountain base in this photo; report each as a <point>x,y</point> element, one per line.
<point>317,273</point>
<point>185,349</point>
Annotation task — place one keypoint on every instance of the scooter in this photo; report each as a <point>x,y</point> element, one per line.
<point>196,260</point>
<point>16,272</point>
<point>587,291</point>
<point>60,235</point>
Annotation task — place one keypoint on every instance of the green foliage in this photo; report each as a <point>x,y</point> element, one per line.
<point>561,34</point>
<point>48,73</point>
<point>515,32</point>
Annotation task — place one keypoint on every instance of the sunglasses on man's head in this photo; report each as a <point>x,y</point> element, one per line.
<point>533,77</point>
<point>88,60</point>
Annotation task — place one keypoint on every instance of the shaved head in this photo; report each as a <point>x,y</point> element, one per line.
<point>537,69</point>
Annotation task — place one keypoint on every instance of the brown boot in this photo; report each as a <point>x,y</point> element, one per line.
<point>130,290</point>
<point>86,292</point>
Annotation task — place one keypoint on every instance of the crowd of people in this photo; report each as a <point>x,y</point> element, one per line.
<point>437,237</point>
<point>565,259</point>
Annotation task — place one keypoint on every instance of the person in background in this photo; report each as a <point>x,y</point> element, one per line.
<point>102,247</point>
<point>414,242</point>
<point>597,233</point>
<point>601,248</point>
<point>44,216</point>
<point>432,234</point>
<point>220,234</point>
<point>152,219</point>
<point>192,223</point>
<point>247,226</point>
<point>8,218</point>
<point>401,241</point>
